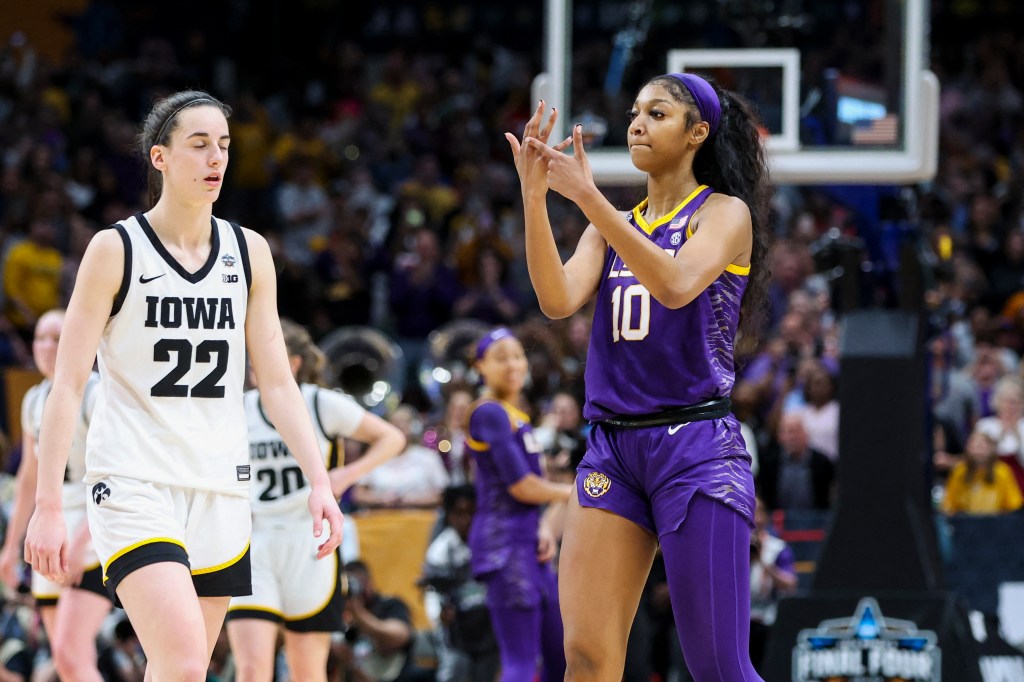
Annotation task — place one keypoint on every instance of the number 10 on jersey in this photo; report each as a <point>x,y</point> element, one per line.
<point>624,325</point>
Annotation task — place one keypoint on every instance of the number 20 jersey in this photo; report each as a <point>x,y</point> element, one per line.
<point>172,366</point>
<point>280,491</point>
<point>646,358</point>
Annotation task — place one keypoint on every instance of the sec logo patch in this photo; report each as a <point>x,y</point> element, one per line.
<point>596,484</point>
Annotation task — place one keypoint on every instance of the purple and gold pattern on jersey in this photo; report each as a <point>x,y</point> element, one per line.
<point>646,358</point>
<point>502,444</point>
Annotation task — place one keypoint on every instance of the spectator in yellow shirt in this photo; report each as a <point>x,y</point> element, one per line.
<point>981,484</point>
<point>32,277</point>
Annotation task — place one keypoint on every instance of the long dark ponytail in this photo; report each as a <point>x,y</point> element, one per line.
<point>160,124</point>
<point>733,162</point>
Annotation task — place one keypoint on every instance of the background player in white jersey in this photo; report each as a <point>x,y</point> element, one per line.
<point>73,612</point>
<point>289,585</point>
<point>172,299</point>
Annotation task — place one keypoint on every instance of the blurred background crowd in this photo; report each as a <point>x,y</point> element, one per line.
<point>369,151</point>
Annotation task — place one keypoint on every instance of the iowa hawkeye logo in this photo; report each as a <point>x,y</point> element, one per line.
<point>100,492</point>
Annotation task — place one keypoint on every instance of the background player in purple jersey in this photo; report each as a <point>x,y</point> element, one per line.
<point>510,544</point>
<point>665,461</point>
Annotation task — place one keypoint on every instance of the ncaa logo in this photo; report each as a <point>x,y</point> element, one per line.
<point>596,484</point>
<point>100,492</point>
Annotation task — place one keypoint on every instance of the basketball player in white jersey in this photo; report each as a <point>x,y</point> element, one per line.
<point>289,586</point>
<point>72,613</point>
<point>172,299</point>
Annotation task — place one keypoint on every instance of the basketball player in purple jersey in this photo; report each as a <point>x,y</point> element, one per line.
<point>511,548</point>
<point>665,462</point>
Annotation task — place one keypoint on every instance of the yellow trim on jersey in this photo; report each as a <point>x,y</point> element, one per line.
<point>511,411</point>
<point>515,413</point>
<point>91,568</point>
<point>731,267</point>
<point>649,228</point>
<point>46,596</point>
<point>221,567</point>
<point>140,543</point>
<point>264,609</point>
<point>325,602</point>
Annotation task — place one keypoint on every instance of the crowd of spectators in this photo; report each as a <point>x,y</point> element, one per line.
<point>381,179</point>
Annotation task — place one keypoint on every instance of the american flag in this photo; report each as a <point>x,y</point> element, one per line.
<point>883,130</point>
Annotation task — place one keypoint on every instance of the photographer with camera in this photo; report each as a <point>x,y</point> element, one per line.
<point>379,635</point>
<point>456,604</point>
<point>772,577</point>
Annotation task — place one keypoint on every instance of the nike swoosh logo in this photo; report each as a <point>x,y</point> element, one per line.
<point>143,279</point>
<point>672,429</point>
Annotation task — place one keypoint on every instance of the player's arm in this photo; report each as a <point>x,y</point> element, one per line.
<point>533,489</point>
<point>672,281</point>
<point>279,392</point>
<point>561,289</point>
<point>489,424</point>
<point>24,504</point>
<point>98,282</point>
<point>385,441</point>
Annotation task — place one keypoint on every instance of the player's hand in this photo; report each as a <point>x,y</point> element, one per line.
<point>546,544</point>
<point>531,165</point>
<point>341,480</point>
<point>9,561</point>
<point>323,507</point>
<point>46,544</point>
<point>569,175</point>
<point>76,563</point>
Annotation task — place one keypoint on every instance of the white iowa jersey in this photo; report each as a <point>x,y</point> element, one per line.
<point>279,489</point>
<point>32,420</point>
<point>172,364</point>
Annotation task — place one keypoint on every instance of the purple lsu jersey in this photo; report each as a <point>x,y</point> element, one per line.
<point>504,530</point>
<point>646,358</point>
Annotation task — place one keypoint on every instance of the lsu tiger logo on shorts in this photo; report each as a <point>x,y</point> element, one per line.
<point>100,492</point>
<point>596,484</point>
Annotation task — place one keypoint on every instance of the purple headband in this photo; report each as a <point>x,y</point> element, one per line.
<point>492,338</point>
<point>704,95</point>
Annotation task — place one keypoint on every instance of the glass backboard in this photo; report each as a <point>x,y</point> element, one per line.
<point>841,87</point>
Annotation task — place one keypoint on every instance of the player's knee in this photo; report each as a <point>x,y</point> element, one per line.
<point>247,669</point>
<point>72,659</point>
<point>306,671</point>
<point>587,660</point>
<point>189,669</point>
